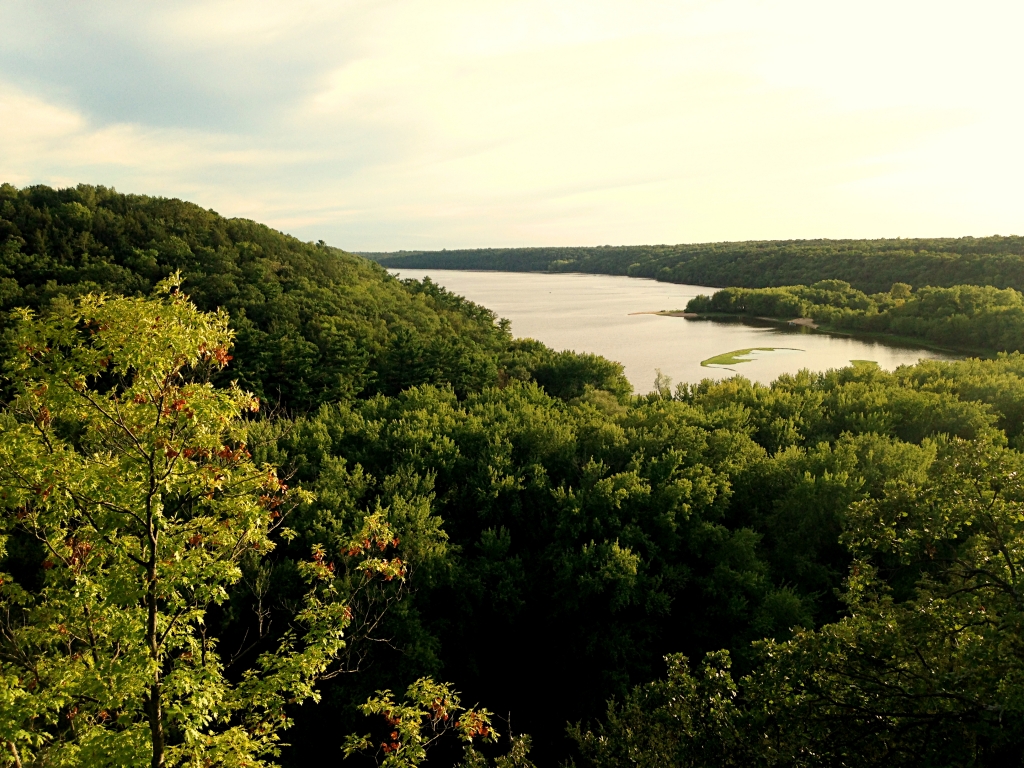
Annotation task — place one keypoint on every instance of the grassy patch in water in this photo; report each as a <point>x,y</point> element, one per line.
<point>736,356</point>
<point>864,362</point>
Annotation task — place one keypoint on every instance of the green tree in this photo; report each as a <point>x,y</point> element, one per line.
<point>925,669</point>
<point>125,470</point>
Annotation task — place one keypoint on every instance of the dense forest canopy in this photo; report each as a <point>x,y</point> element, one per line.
<point>868,265</point>
<point>825,571</point>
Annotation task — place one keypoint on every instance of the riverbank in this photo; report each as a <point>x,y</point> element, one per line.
<point>887,338</point>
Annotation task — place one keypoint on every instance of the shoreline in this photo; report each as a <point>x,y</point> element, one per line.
<point>909,341</point>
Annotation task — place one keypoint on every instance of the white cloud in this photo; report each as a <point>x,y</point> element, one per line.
<point>26,120</point>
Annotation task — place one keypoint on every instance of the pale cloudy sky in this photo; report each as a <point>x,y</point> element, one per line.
<point>386,124</point>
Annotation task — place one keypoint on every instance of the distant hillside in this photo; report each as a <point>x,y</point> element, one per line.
<point>868,265</point>
<point>314,324</point>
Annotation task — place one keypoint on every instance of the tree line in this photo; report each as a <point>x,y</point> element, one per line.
<point>868,265</point>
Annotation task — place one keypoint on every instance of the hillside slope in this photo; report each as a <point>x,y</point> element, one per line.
<point>314,324</point>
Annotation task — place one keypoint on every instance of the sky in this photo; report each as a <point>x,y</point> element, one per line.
<point>404,124</point>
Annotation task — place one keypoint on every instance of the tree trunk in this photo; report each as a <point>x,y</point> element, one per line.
<point>155,703</point>
<point>14,753</point>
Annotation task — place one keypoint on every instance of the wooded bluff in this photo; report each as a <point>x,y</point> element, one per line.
<point>292,529</point>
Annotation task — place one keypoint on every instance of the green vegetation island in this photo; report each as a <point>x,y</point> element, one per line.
<point>265,504</point>
<point>738,356</point>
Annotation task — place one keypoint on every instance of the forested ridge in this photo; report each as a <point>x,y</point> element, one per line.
<point>868,265</point>
<point>313,324</point>
<point>403,529</point>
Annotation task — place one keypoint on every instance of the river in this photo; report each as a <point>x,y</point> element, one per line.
<point>597,313</point>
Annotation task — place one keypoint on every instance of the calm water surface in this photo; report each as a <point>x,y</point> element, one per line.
<point>594,313</point>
